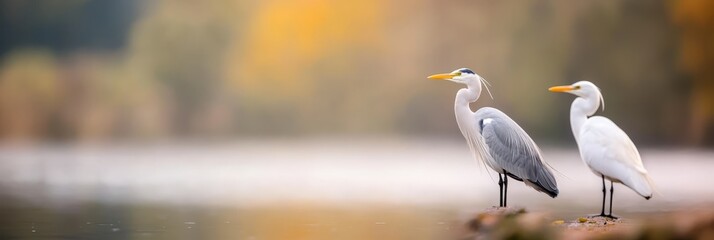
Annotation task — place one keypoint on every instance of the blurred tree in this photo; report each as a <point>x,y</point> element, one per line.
<point>695,19</point>
<point>30,93</point>
<point>180,45</point>
<point>106,100</point>
<point>304,66</point>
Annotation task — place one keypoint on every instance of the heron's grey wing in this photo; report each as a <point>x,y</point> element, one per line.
<point>512,148</point>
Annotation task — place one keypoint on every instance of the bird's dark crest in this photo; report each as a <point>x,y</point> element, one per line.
<point>466,70</point>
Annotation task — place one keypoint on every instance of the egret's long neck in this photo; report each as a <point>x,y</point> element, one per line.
<point>580,110</point>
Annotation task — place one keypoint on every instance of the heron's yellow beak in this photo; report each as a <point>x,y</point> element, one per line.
<point>442,76</point>
<point>566,88</point>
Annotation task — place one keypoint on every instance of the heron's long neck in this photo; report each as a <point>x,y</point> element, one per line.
<point>464,97</point>
<point>464,115</point>
<point>469,126</point>
<point>580,110</point>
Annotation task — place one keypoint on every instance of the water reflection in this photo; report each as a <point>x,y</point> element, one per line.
<point>137,221</point>
<point>307,190</point>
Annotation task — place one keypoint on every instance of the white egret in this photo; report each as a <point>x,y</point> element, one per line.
<point>498,141</point>
<point>604,147</point>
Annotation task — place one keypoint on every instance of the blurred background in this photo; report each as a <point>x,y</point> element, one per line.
<point>102,71</point>
<point>118,107</point>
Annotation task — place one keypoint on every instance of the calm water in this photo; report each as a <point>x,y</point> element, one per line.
<point>337,189</point>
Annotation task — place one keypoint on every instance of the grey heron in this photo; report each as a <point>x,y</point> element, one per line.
<point>604,147</point>
<point>496,140</point>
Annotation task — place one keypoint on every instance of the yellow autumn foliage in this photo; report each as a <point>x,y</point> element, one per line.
<point>285,42</point>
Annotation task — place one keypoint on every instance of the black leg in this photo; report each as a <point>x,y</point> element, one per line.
<point>505,189</point>
<point>602,211</point>
<point>612,190</point>
<point>500,190</point>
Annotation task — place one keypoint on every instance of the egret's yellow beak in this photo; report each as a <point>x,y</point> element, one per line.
<point>442,76</point>
<point>566,88</point>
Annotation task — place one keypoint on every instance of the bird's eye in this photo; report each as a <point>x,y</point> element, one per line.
<point>576,87</point>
